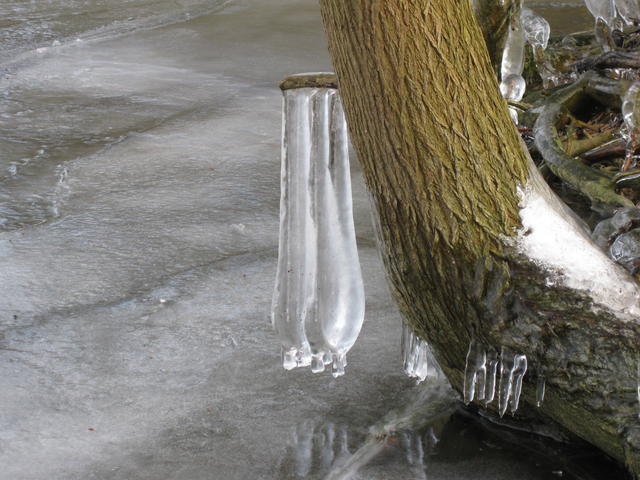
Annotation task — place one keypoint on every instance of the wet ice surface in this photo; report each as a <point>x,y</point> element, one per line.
<point>139,198</point>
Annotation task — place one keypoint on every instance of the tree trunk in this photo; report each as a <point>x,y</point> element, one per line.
<point>476,246</point>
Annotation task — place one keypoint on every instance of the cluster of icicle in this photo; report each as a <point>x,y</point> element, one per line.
<point>610,15</point>
<point>318,303</point>
<point>489,375</point>
<point>416,357</point>
<point>528,27</point>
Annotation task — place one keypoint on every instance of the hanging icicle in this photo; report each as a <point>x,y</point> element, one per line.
<point>318,303</point>
<point>481,376</point>
<point>512,84</point>
<point>417,360</point>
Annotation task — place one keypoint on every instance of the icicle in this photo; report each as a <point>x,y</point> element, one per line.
<point>513,368</point>
<point>318,306</point>
<point>540,389</point>
<point>475,373</point>
<point>415,354</point>
<point>629,10</point>
<point>506,380</point>
<point>492,373</point>
<point>631,116</point>
<point>519,371</point>
<point>512,85</point>
<point>481,370</point>
<point>604,12</point>
<point>294,293</point>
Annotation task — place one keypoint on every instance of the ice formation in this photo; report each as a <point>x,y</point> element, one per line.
<point>536,29</point>
<point>537,32</point>
<point>631,116</point>
<point>512,84</point>
<point>552,237</point>
<point>481,369</point>
<point>416,355</point>
<point>513,368</point>
<point>604,12</point>
<point>629,10</point>
<point>318,303</point>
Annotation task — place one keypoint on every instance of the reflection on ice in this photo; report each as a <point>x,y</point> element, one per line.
<point>331,451</point>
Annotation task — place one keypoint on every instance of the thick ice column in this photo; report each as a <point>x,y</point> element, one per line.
<point>295,289</point>
<point>318,303</point>
<point>340,291</point>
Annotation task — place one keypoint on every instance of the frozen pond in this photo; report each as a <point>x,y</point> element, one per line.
<point>139,194</point>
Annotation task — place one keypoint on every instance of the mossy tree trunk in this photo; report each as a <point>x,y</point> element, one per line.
<point>443,162</point>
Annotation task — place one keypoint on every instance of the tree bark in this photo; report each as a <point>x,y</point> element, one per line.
<point>444,163</point>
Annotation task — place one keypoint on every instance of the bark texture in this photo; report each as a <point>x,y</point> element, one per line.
<point>442,161</point>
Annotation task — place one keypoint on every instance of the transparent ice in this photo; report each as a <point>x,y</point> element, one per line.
<point>512,370</point>
<point>606,231</point>
<point>536,29</point>
<point>482,367</point>
<point>513,87</point>
<point>318,304</point>
<point>604,12</point>
<point>626,250</point>
<point>513,64</point>
<point>513,53</point>
<point>629,10</point>
<point>475,375</point>
<point>417,359</point>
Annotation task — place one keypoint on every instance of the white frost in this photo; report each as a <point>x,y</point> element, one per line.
<point>553,238</point>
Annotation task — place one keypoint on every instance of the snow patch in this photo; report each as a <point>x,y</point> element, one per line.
<point>553,237</point>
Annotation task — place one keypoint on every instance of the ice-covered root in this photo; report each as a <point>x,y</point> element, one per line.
<point>318,302</point>
<point>418,362</point>
<point>481,369</point>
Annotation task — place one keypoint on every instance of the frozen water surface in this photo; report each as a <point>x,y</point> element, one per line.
<point>139,194</point>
